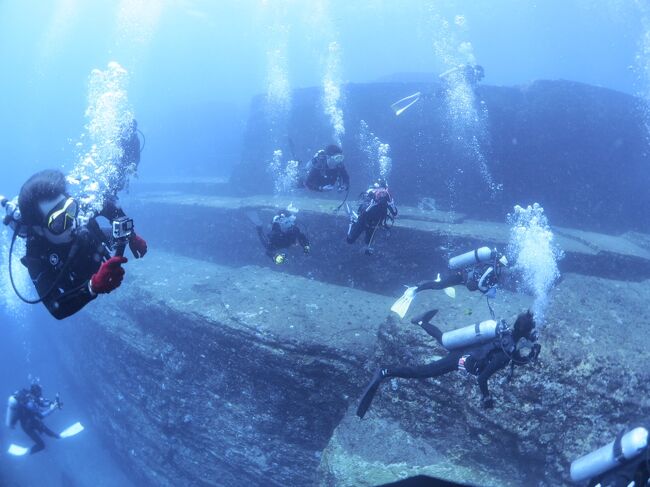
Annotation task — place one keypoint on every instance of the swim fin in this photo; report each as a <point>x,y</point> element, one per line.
<point>401,306</point>
<point>400,106</point>
<point>450,291</point>
<point>369,394</point>
<point>73,430</point>
<point>17,451</point>
<point>425,317</point>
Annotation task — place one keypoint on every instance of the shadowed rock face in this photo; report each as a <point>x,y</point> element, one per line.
<point>579,150</point>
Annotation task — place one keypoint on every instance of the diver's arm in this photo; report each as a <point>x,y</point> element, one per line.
<point>497,362</point>
<point>111,210</point>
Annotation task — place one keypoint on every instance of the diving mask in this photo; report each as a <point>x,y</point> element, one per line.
<point>62,217</point>
<point>335,160</point>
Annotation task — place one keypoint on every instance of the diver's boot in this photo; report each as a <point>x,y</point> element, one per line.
<point>371,390</point>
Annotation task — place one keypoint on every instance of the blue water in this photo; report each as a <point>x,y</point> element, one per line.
<point>193,68</point>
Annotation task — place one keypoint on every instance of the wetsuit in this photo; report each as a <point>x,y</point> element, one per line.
<point>277,240</point>
<point>481,277</point>
<point>320,175</point>
<point>481,361</point>
<point>32,410</point>
<point>62,286</point>
<point>374,210</point>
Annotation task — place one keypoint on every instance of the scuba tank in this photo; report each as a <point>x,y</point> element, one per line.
<point>473,334</point>
<point>624,448</point>
<point>473,257</point>
<point>12,411</point>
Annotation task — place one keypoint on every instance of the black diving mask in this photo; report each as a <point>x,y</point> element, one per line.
<point>62,217</point>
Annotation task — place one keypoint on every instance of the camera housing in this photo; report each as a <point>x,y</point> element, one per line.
<point>122,228</point>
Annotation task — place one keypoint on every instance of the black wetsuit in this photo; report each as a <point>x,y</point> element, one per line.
<point>470,277</point>
<point>481,361</point>
<point>376,207</point>
<point>31,412</point>
<point>278,240</point>
<point>46,264</point>
<point>319,175</point>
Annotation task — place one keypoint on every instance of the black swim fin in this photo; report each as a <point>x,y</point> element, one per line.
<point>424,317</point>
<point>369,394</point>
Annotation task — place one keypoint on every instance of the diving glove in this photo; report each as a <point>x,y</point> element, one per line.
<point>306,249</point>
<point>108,277</point>
<point>279,259</point>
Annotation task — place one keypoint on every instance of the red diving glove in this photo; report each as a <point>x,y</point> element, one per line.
<point>138,246</point>
<point>109,276</point>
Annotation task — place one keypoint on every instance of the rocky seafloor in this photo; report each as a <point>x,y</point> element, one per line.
<point>213,372</point>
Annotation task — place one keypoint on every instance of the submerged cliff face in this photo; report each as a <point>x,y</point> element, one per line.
<point>580,150</point>
<point>208,371</point>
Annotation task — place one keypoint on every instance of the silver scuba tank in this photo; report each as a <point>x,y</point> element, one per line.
<point>12,411</point>
<point>473,257</point>
<point>624,448</point>
<point>472,335</point>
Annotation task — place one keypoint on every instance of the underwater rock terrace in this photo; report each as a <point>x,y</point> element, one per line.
<point>215,228</point>
<point>250,377</point>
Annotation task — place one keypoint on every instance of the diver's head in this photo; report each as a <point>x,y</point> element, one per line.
<point>380,183</point>
<point>36,390</point>
<point>284,221</point>
<point>334,156</point>
<point>46,208</point>
<point>525,327</point>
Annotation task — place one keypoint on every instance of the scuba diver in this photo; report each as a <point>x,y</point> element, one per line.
<point>129,161</point>
<point>621,463</point>
<point>326,171</point>
<point>479,350</point>
<point>28,407</point>
<point>284,233</point>
<point>479,269</point>
<point>67,254</point>
<point>376,209</point>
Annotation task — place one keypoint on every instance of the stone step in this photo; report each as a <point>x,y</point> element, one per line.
<point>417,248</point>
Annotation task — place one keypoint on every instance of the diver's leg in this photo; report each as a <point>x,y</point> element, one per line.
<point>447,280</point>
<point>49,432</point>
<point>39,444</point>
<point>447,364</point>
<point>354,231</point>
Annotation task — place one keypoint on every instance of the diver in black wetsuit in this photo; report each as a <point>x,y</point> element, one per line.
<point>481,276</point>
<point>480,360</point>
<point>376,208</point>
<point>326,171</point>
<point>30,410</point>
<point>284,233</point>
<point>67,260</point>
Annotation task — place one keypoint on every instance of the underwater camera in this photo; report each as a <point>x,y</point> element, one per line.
<point>122,231</point>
